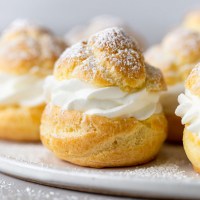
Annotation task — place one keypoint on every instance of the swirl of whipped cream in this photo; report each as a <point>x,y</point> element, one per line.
<point>110,102</point>
<point>24,90</point>
<point>188,109</point>
<point>169,100</point>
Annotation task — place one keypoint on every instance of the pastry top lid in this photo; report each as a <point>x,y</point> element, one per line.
<point>192,82</point>
<point>109,58</point>
<point>192,20</point>
<point>177,54</point>
<point>28,48</point>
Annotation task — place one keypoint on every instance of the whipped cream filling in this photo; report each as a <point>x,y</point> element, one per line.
<point>110,102</point>
<point>188,109</point>
<point>169,99</point>
<point>24,90</point>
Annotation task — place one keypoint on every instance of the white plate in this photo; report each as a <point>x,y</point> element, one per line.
<point>169,176</point>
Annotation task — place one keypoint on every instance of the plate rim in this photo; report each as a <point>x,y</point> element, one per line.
<point>99,183</point>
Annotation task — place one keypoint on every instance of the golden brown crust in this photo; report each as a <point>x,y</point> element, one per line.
<point>154,79</point>
<point>193,80</point>
<point>20,123</point>
<point>191,143</point>
<point>108,58</point>
<point>175,128</point>
<point>26,49</point>
<point>30,49</point>
<point>97,141</point>
<point>177,54</point>
<point>156,57</point>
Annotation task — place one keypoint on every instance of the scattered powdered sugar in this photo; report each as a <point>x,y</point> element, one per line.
<point>171,166</point>
<point>179,52</point>
<point>154,79</point>
<point>12,189</point>
<point>112,39</point>
<point>18,25</point>
<point>90,64</point>
<point>125,57</point>
<point>117,47</point>
<point>19,48</point>
<point>182,41</point>
<point>76,51</point>
<point>24,40</point>
<point>111,45</point>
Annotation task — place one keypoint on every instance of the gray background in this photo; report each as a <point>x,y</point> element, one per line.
<point>153,18</point>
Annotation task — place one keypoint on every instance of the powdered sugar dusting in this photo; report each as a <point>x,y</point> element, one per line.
<point>112,39</point>
<point>155,80</point>
<point>176,45</point>
<point>111,46</point>
<point>18,25</point>
<point>178,53</point>
<point>19,48</point>
<point>12,189</point>
<point>117,48</point>
<point>171,164</point>
<point>182,41</point>
<point>23,40</point>
<point>170,167</point>
<point>78,50</point>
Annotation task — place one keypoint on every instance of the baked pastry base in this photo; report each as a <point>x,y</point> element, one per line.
<point>96,141</point>
<point>20,123</point>
<point>191,143</point>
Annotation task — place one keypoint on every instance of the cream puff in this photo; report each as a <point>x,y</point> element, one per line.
<point>192,20</point>
<point>104,108</point>
<point>176,55</point>
<point>189,110</point>
<point>82,32</point>
<point>27,56</point>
